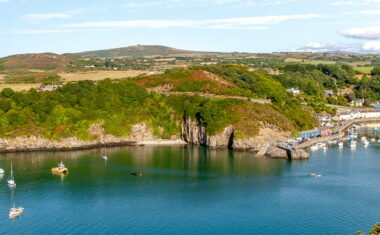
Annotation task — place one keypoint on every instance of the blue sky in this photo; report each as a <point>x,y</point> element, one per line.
<point>29,26</point>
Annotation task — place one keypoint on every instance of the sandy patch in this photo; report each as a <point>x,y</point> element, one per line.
<point>99,75</point>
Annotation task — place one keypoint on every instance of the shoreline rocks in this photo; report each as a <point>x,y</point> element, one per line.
<point>192,132</point>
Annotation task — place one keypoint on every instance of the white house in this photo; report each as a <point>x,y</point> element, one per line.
<point>294,91</point>
<point>349,115</point>
<point>357,103</point>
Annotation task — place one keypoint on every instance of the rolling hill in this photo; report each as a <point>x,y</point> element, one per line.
<point>38,60</point>
<point>149,51</point>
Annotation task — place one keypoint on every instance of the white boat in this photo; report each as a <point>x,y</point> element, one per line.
<point>353,144</point>
<point>2,171</point>
<point>366,143</point>
<point>11,179</point>
<point>340,144</point>
<point>363,138</point>
<point>373,140</point>
<point>105,157</point>
<point>314,147</point>
<point>15,212</point>
<point>315,175</point>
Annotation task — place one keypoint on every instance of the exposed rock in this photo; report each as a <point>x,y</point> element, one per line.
<point>194,133</point>
<point>274,152</point>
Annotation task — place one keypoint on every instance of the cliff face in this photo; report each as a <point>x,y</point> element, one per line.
<point>194,133</point>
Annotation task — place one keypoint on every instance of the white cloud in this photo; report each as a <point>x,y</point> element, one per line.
<point>230,23</point>
<point>370,12</point>
<point>372,46</point>
<point>47,16</point>
<point>370,33</point>
<point>343,3</point>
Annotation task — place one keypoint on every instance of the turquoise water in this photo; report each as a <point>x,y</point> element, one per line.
<point>192,190</point>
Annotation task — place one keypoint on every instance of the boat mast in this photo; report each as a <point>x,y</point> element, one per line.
<point>12,172</point>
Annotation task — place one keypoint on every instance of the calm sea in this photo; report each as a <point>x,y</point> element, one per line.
<point>192,190</point>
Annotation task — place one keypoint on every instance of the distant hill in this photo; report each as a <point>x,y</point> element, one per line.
<point>38,60</point>
<point>140,51</point>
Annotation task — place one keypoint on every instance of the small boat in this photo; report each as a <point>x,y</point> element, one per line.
<point>11,180</point>
<point>135,173</point>
<point>105,157</point>
<point>366,143</point>
<point>15,212</point>
<point>340,144</point>
<point>375,129</point>
<point>373,140</point>
<point>2,171</point>
<point>60,169</point>
<point>314,147</point>
<point>353,144</point>
<point>315,175</point>
<point>363,138</point>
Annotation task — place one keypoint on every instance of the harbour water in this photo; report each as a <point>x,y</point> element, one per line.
<point>192,190</point>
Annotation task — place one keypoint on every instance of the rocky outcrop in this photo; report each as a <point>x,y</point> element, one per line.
<point>194,133</point>
<point>264,144</point>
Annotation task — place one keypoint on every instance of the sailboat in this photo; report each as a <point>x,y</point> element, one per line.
<point>105,157</point>
<point>11,179</point>
<point>14,212</point>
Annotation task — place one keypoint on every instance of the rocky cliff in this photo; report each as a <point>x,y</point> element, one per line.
<point>264,144</point>
<point>192,132</point>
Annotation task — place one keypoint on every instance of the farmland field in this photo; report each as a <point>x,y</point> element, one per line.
<point>365,70</point>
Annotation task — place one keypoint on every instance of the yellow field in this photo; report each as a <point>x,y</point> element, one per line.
<point>99,75</point>
<point>77,76</point>
<point>19,86</point>
<point>315,62</point>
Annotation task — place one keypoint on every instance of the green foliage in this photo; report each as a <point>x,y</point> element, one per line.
<point>376,71</point>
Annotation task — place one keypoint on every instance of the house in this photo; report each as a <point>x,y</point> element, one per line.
<point>324,119</point>
<point>324,130</point>
<point>349,115</point>
<point>357,103</point>
<point>294,91</point>
<point>329,93</point>
<point>310,134</point>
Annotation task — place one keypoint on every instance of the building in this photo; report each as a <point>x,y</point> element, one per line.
<point>294,91</point>
<point>310,134</point>
<point>324,130</point>
<point>349,116</point>
<point>357,103</point>
<point>329,93</point>
<point>48,87</point>
<point>324,119</point>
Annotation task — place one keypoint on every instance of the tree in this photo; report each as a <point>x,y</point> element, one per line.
<point>375,71</point>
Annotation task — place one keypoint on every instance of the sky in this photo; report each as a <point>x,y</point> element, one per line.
<point>36,26</point>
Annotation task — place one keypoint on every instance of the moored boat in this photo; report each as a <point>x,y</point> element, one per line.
<point>15,212</point>
<point>11,180</point>
<point>60,169</point>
